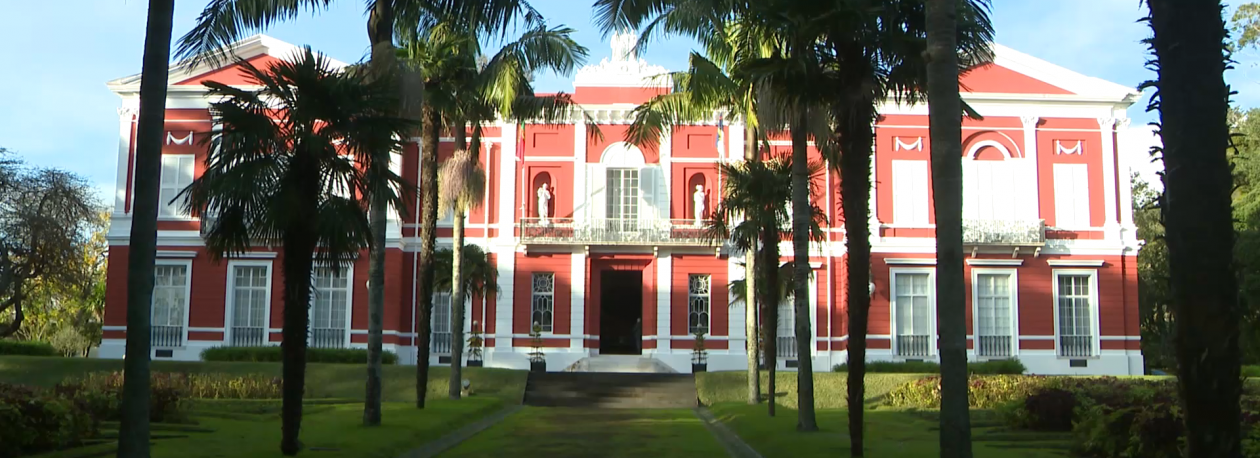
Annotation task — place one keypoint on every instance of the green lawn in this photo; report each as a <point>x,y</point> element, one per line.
<point>889,433</point>
<point>332,431</point>
<point>344,381</point>
<point>563,433</point>
<point>830,388</point>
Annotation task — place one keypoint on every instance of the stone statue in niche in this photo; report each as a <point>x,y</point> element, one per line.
<point>544,199</point>
<point>697,199</point>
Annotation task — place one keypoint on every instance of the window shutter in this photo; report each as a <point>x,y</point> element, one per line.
<point>596,200</point>
<point>970,189</point>
<point>647,193</point>
<point>1080,190</point>
<point>662,195</point>
<point>1071,196</point>
<point>910,193</point>
<point>1003,191</point>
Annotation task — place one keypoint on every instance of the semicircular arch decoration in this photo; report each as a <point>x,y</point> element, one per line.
<point>978,144</point>
<point>622,154</point>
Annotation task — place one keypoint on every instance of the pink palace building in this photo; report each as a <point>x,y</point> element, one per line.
<point>607,258</point>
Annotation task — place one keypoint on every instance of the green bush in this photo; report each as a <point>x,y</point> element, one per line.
<point>36,421</point>
<point>1050,409</point>
<point>985,391</point>
<point>100,394</point>
<point>18,347</point>
<point>991,367</point>
<point>272,354</point>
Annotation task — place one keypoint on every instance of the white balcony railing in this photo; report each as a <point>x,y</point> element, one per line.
<point>1004,232</point>
<point>613,231</point>
<point>166,336</point>
<point>1076,346</point>
<point>328,338</point>
<point>994,346</point>
<point>914,346</point>
<point>247,336</point>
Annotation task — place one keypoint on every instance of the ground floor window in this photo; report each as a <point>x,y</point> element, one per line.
<point>250,301</point>
<point>543,301</point>
<point>330,306</point>
<point>698,300</point>
<point>170,304</point>
<point>785,344</point>
<point>912,313</point>
<point>440,324</point>
<point>1074,313</point>
<point>994,297</point>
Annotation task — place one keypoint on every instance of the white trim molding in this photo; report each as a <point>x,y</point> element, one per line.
<point>995,262</point>
<point>1075,262</point>
<point>176,254</point>
<point>910,261</point>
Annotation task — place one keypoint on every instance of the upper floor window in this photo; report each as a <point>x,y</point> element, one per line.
<point>989,190</point>
<point>910,193</point>
<point>177,174</point>
<point>543,300</point>
<point>1071,196</point>
<point>623,194</point>
<point>698,300</point>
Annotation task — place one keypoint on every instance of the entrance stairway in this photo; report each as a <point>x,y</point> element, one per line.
<point>621,364</point>
<point>611,390</point>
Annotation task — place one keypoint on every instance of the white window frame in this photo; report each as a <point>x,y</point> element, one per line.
<point>629,182</point>
<point>437,295</point>
<point>911,192</point>
<point>892,308</point>
<point>175,213</point>
<point>1076,200</point>
<point>547,329</point>
<point>230,302</point>
<point>187,264</point>
<point>976,272</point>
<point>1093,305</point>
<point>708,309</point>
<point>310,311</point>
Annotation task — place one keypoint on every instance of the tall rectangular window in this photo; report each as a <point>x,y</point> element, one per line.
<point>910,193</point>
<point>177,173</point>
<point>543,302</point>
<point>989,190</point>
<point>785,343</point>
<point>912,304</point>
<point>698,300</point>
<point>1071,196</point>
<point>622,194</point>
<point>330,305</point>
<point>440,324</point>
<point>250,302</point>
<point>1075,314</point>
<point>994,297</point>
<point>170,304</point>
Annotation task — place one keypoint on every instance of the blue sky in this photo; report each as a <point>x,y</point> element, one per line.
<point>55,110</point>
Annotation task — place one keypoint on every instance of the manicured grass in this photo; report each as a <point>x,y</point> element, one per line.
<point>561,433</point>
<point>322,380</point>
<point>830,388</point>
<point>889,433</point>
<point>333,431</point>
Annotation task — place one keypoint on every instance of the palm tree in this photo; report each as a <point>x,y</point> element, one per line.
<point>753,212</point>
<point>945,132</point>
<point>478,276</point>
<point>304,180</point>
<point>1193,103</point>
<point>133,434</point>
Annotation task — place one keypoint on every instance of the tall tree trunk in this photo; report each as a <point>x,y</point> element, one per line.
<point>133,434</point>
<point>298,267</point>
<point>770,296</point>
<point>857,138</point>
<point>1193,105</point>
<point>801,217</point>
<point>428,239</point>
<point>945,132</point>
<point>457,281</point>
<point>381,34</point>
<point>750,289</point>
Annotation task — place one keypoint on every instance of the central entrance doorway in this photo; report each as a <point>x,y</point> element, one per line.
<point>621,312</point>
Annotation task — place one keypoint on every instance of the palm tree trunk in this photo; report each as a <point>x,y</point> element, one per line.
<point>769,266</point>
<point>428,240</point>
<point>133,434</point>
<point>381,34</point>
<point>457,303</point>
<point>750,292</point>
<point>801,217</point>
<point>855,192</point>
<point>298,267</point>
<point>1193,105</point>
<point>945,132</point>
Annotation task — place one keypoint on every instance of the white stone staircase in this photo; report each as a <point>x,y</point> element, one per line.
<point>620,364</point>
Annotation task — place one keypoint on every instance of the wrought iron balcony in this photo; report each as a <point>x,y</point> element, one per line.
<point>613,231</point>
<point>995,232</point>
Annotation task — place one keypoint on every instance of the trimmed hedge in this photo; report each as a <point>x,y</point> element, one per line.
<point>19,347</point>
<point>36,421</point>
<point>830,388</point>
<point>272,354</point>
<point>991,367</point>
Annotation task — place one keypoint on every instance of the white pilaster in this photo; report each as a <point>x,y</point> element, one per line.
<point>508,163</point>
<point>393,227</point>
<point>126,116</point>
<point>503,304</point>
<point>577,304</point>
<point>1106,127</point>
<point>1126,171</point>
<point>736,151</point>
<point>581,198</point>
<point>1033,200</point>
<point>667,155</point>
<point>664,283</point>
<point>735,319</point>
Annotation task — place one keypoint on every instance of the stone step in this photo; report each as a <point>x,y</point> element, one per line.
<point>610,390</point>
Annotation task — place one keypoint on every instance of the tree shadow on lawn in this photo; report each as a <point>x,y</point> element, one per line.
<point>570,432</point>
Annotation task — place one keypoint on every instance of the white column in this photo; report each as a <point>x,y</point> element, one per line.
<point>393,227</point>
<point>577,304</point>
<point>503,304</point>
<point>581,199</point>
<point>1106,127</point>
<point>737,334</point>
<point>1032,202</point>
<point>126,116</point>
<point>736,151</point>
<point>664,277</point>
<point>508,208</point>
<point>1126,172</point>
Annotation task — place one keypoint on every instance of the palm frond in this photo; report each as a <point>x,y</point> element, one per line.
<point>223,22</point>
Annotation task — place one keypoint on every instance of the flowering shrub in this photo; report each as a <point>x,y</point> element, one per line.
<point>35,420</point>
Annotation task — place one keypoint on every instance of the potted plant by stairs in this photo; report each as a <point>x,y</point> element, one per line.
<point>699,356</point>
<point>537,362</point>
<point>475,343</point>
